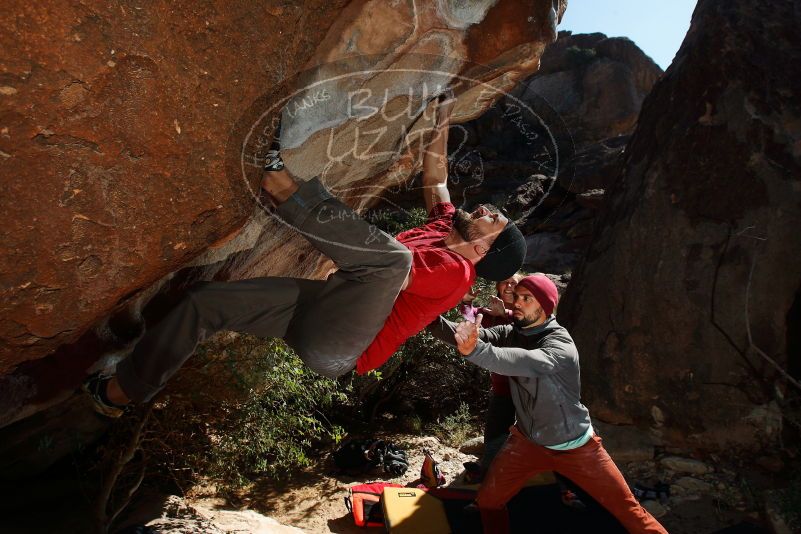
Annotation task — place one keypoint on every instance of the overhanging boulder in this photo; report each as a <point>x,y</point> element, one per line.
<point>682,309</point>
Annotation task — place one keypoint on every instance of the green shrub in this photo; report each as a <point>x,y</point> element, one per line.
<point>253,410</point>
<point>790,501</point>
<point>394,222</point>
<point>457,427</point>
<point>272,432</point>
<point>413,424</point>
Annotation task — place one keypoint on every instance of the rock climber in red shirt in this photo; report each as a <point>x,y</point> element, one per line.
<point>384,291</point>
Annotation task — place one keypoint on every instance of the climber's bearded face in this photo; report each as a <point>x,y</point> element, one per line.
<point>481,224</point>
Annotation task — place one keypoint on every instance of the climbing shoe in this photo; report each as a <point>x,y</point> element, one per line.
<point>96,386</point>
<point>273,161</point>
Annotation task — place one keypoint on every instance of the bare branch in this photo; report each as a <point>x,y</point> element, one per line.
<point>135,486</point>
<point>751,343</point>
<point>718,327</point>
<point>102,520</point>
<point>742,233</point>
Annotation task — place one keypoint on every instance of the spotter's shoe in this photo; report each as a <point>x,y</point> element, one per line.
<point>95,387</point>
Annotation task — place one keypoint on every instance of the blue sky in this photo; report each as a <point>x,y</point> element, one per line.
<point>657,26</point>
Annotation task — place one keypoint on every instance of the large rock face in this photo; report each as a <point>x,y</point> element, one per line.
<point>587,94</point>
<point>597,85</point>
<point>128,148</point>
<point>114,123</point>
<point>686,297</point>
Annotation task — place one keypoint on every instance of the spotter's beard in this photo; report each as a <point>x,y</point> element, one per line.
<point>528,320</point>
<point>524,322</point>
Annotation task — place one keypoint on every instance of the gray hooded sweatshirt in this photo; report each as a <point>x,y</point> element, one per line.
<point>542,364</point>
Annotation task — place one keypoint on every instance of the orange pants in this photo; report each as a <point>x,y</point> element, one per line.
<point>588,466</point>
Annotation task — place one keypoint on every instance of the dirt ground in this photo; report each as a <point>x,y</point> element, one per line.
<point>313,501</point>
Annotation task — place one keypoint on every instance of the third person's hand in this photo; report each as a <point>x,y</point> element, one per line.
<point>496,307</point>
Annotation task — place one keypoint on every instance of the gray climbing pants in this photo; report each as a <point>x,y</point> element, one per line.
<point>329,323</point>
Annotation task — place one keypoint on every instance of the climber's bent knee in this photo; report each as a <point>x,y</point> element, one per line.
<point>327,365</point>
<point>402,260</point>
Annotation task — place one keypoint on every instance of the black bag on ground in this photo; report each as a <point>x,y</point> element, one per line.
<point>362,455</point>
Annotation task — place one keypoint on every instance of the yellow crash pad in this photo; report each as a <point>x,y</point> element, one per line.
<point>413,511</point>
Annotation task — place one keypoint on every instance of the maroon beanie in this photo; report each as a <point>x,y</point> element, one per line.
<point>543,290</point>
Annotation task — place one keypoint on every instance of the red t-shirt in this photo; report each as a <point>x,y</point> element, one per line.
<point>440,278</point>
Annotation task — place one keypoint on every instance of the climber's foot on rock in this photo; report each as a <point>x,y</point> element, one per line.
<point>277,182</point>
<point>279,185</point>
<point>273,161</point>
<point>108,398</point>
